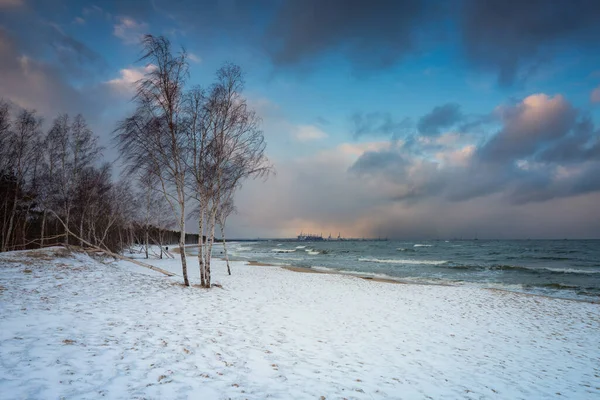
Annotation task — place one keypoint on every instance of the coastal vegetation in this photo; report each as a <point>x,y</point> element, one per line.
<point>185,152</point>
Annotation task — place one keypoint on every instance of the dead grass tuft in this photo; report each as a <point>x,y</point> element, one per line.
<point>69,341</point>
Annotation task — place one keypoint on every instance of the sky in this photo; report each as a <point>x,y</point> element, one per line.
<point>400,119</point>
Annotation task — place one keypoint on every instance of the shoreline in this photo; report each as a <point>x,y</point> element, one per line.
<point>308,270</point>
<point>268,332</point>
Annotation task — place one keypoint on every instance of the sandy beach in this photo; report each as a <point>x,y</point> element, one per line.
<point>73,327</point>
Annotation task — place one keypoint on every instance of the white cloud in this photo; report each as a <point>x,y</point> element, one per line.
<point>194,58</point>
<point>129,30</point>
<point>79,21</point>
<point>125,84</point>
<point>306,133</point>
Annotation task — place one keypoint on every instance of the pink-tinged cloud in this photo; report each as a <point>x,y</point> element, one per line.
<point>537,119</point>
<point>129,30</point>
<point>11,3</point>
<point>595,95</point>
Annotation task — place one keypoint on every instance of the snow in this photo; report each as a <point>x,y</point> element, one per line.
<point>76,328</point>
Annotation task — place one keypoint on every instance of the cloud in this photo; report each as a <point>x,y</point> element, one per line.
<point>371,35</point>
<point>440,117</point>
<point>527,126</point>
<point>307,133</point>
<point>194,58</point>
<point>11,3</point>
<point>322,120</point>
<point>513,40</point>
<point>129,30</point>
<point>544,149</point>
<point>35,84</point>
<point>125,84</point>
<point>506,36</point>
<point>595,95</point>
<point>378,123</point>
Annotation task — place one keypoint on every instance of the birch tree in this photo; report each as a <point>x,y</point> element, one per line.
<point>152,140</point>
<point>235,149</point>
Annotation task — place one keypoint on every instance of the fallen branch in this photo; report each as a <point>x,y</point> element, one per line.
<point>110,253</point>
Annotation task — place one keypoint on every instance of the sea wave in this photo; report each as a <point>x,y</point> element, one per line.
<point>393,261</point>
<point>534,270</point>
<point>312,252</point>
<point>300,247</point>
<point>283,250</point>
<point>404,249</point>
<point>422,245</point>
<point>242,248</point>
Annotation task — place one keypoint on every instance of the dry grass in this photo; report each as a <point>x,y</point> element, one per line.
<point>69,341</point>
<point>48,254</point>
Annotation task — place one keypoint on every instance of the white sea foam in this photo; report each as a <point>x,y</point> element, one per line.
<point>312,252</point>
<point>242,248</point>
<point>286,259</point>
<point>283,250</point>
<point>570,271</point>
<point>414,262</point>
<point>300,247</point>
<point>422,245</point>
<point>324,269</point>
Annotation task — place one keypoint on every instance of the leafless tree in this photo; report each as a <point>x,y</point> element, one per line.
<point>20,149</point>
<point>234,150</point>
<point>152,140</point>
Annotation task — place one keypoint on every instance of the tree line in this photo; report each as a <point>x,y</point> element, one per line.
<point>185,152</point>
<point>54,191</point>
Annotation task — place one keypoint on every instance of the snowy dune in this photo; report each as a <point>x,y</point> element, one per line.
<point>75,328</point>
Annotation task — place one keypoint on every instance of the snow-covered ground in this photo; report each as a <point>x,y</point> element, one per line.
<point>75,328</point>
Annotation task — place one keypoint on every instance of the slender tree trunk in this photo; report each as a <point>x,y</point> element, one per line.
<point>10,224</point>
<point>146,239</point>
<point>225,248</point>
<point>81,229</point>
<point>43,228</point>
<point>186,281</point>
<point>209,246</point>
<point>201,248</point>
<point>160,242</point>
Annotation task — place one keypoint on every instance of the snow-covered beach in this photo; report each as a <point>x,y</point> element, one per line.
<point>73,327</point>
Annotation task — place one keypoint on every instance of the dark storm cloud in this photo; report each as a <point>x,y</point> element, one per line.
<point>37,37</point>
<point>378,124</point>
<point>581,144</point>
<point>503,36</point>
<point>370,34</point>
<point>510,38</point>
<point>388,161</point>
<point>440,117</point>
<point>34,84</point>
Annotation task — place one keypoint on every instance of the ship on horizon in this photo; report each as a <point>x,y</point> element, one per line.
<point>310,237</point>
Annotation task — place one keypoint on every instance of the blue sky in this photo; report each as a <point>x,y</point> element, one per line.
<point>400,118</point>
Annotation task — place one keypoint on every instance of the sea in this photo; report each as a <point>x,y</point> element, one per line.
<point>556,268</point>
